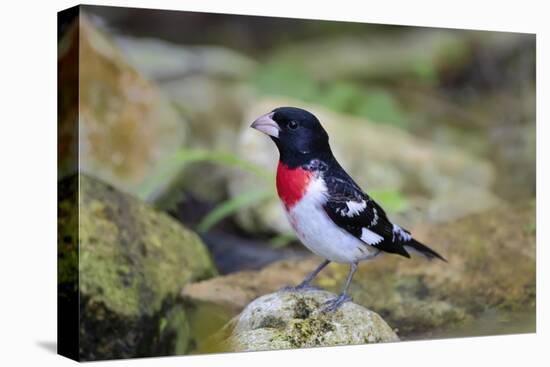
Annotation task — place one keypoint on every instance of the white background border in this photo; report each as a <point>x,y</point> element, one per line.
<point>28,182</point>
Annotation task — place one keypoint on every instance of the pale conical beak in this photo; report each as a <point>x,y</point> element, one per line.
<point>267,125</point>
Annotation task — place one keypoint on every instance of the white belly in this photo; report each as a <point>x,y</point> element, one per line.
<point>319,233</point>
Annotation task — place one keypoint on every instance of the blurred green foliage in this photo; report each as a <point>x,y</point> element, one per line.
<point>286,79</point>
<point>231,206</point>
<point>392,200</point>
<point>426,71</point>
<point>187,156</point>
<point>282,240</point>
<point>381,106</point>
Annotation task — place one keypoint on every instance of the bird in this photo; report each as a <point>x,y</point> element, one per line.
<point>331,215</point>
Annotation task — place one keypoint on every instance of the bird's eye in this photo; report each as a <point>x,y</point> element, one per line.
<point>292,125</point>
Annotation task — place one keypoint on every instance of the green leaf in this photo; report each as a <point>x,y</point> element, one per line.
<point>381,106</point>
<point>282,240</point>
<point>231,206</point>
<point>281,78</point>
<point>425,71</point>
<point>393,200</point>
<point>162,324</point>
<point>343,97</point>
<point>184,157</point>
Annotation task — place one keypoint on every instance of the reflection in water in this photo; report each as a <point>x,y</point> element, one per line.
<point>491,322</point>
<point>205,320</point>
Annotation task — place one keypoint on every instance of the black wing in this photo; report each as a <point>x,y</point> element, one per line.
<point>353,210</point>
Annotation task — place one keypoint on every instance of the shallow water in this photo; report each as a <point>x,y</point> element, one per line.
<point>205,319</point>
<point>491,322</point>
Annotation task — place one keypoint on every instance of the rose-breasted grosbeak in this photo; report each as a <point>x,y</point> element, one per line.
<point>330,213</point>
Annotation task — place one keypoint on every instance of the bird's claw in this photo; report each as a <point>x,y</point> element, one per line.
<point>333,304</point>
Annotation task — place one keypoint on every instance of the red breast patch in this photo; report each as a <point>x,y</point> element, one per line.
<point>292,184</point>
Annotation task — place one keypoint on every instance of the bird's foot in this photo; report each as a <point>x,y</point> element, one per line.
<point>333,304</point>
<point>300,287</point>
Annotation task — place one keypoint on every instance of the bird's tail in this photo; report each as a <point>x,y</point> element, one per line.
<point>415,246</point>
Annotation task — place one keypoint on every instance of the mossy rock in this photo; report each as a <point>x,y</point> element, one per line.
<point>289,319</point>
<point>133,262</point>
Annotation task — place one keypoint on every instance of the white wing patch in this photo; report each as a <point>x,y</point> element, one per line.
<point>354,208</point>
<point>375,217</point>
<point>370,237</point>
<point>401,233</point>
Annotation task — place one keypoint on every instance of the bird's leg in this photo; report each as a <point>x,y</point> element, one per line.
<point>306,283</point>
<point>333,304</point>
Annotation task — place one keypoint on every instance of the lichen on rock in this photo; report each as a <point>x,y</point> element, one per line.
<point>132,263</point>
<point>292,319</point>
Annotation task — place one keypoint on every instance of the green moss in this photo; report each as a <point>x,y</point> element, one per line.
<point>176,329</point>
<point>272,322</point>
<point>306,329</point>
<point>308,332</point>
<point>67,234</point>
<point>132,262</point>
<point>301,309</point>
<point>132,256</point>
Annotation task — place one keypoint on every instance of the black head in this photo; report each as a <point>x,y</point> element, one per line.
<point>297,133</point>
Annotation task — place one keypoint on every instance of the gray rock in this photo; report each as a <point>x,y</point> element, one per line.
<point>287,319</point>
<point>161,60</point>
<point>414,54</point>
<point>208,86</point>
